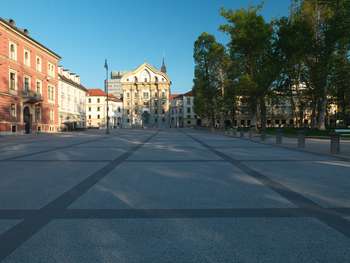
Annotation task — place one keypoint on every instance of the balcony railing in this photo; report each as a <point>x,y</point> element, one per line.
<point>31,96</point>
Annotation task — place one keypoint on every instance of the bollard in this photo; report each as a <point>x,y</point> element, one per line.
<point>279,136</point>
<point>263,136</point>
<point>241,133</point>
<point>301,139</point>
<point>335,143</point>
<point>234,132</point>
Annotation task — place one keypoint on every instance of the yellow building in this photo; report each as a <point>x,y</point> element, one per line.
<point>146,92</point>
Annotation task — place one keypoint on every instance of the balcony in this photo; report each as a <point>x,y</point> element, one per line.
<point>30,96</point>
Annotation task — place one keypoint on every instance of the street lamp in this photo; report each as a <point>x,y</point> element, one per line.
<point>106,90</point>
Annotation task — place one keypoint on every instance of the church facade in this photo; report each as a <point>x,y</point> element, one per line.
<point>146,93</point>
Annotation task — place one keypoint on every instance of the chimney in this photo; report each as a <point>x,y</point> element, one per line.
<point>12,22</point>
<point>26,32</point>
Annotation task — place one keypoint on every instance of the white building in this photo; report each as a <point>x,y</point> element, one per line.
<point>146,92</point>
<point>96,110</point>
<point>71,100</point>
<point>182,110</point>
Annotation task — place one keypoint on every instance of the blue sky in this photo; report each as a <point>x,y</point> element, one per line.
<point>127,33</point>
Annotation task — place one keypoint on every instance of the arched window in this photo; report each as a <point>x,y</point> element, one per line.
<point>13,51</point>
<point>135,79</point>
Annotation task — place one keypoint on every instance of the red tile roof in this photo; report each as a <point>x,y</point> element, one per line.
<point>96,92</point>
<point>190,93</point>
<point>114,98</point>
<point>187,94</point>
<point>173,96</point>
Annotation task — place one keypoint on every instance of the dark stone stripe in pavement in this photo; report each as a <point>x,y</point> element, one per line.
<point>328,217</point>
<point>182,213</point>
<point>163,161</point>
<point>53,161</point>
<point>172,213</point>
<point>173,161</point>
<point>17,235</point>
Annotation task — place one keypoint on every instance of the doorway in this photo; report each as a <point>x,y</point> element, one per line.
<point>27,119</point>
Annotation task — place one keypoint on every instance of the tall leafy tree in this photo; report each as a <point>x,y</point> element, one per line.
<point>329,24</point>
<point>252,42</point>
<point>209,76</point>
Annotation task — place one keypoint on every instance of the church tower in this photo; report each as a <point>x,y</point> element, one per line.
<point>163,68</point>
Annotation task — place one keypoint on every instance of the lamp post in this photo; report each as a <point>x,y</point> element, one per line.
<point>106,90</point>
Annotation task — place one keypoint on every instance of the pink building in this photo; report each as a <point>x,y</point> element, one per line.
<point>28,82</point>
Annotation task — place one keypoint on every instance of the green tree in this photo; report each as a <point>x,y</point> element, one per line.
<point>252,42</point>
<point>328,23</point>
<point>209,76</point>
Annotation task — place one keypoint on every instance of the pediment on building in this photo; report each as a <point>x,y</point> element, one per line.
<point>146,73</point>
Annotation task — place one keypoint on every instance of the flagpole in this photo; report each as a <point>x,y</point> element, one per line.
<point>106,89</point>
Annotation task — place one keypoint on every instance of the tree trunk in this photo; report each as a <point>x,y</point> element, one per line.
<point>321,125</point>
<point>263,113</point>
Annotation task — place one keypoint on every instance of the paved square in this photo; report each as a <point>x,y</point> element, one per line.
<point>169,196</point>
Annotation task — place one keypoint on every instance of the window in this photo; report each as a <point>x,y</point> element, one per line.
<point>13,80</point>
<point>39,87</point>
<point>52,115</point>
<point>37,113</point>
<point>135,111</point>
<point>188,101</point>
<point>38,64</point>
<point>145,95</point>
<point>26,58</point>
<point>188,110</point>
<point>89,117</point>
<point>155,111</point>
<point>26,83</point>
<point>89,108</point>
<point>98,108</point>
<point>156,79</point>
<point>127,111</point>
<point>51,93</point>
<point>98,116</point>
<point>135,79</point>
<point>98,100</point>
<point>50,69</point>
<point>163,94</point>
<point>89,100</point>
<point>13,51</point>
<point>119,109</point>
<point>163,111</point>
<point>128,95</point>
<point>13,110</point>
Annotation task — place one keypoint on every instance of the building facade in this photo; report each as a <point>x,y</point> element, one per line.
<point>96,110</point>
<point>146,93</point>
<point>114,84</point>
<point>71,101</point>
<point>182,110</point>
<point>28,82</point>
